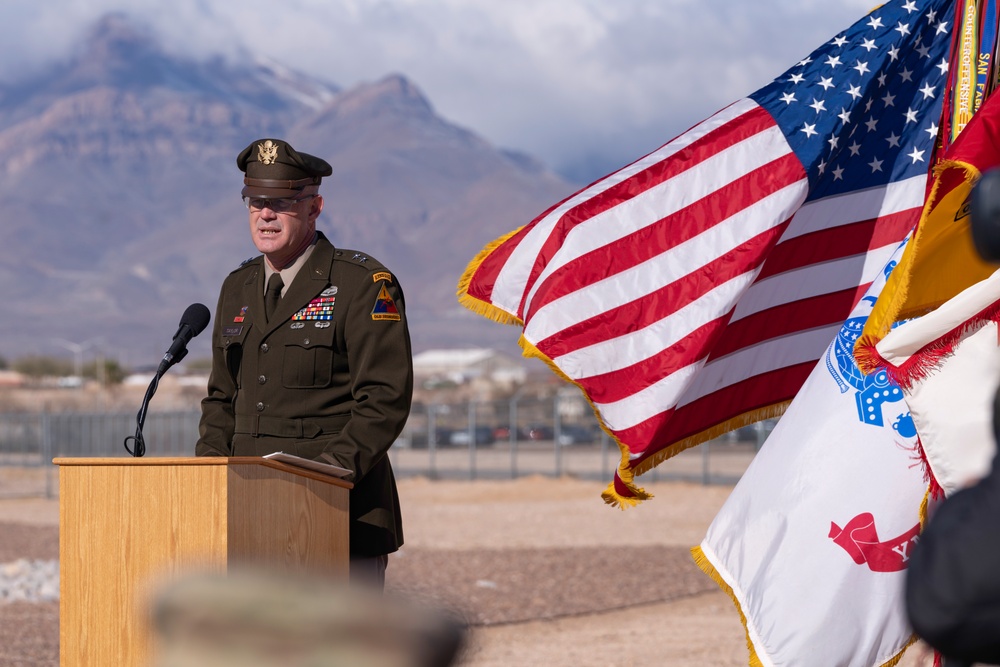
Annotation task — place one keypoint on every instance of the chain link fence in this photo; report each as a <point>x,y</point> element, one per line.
<point>464,441</point>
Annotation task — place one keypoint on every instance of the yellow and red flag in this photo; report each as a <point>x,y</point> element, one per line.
<point>941,260</point>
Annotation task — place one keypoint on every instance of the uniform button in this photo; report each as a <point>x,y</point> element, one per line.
<point>260,407</point>
<point>261,379</point>
<point>305,342</point>
<point>263,347</point>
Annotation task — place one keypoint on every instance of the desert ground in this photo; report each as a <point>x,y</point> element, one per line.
<point>541,569</point>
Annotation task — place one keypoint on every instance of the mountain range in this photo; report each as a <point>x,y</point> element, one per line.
<point>119,183</point>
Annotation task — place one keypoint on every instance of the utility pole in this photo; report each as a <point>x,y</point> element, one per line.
<point>77,349</point>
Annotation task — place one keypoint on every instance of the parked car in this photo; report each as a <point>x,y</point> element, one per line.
<point>573,434</point>
<point>483,436</point>
<point>442,438</point>
<point>540,432</point>
<point>749,433</point>
<point>502,433</point>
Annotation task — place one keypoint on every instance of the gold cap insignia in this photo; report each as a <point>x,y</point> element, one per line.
<point>267,152</point>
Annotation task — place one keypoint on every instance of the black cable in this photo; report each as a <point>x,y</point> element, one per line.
<point>140,420</point>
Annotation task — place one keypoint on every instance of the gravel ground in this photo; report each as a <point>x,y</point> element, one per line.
<point>491,587</point>
<point>541,570</point>
<point>29,632</point>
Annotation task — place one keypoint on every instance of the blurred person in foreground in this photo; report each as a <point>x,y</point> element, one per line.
<point>953,578</point>
<point>310,351</point>
<point>249,618</point>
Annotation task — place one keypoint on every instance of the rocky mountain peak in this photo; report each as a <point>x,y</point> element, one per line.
<point>116,38</point>
<point>148,140</point>
<point>118,52</point>
<point>394,95</point>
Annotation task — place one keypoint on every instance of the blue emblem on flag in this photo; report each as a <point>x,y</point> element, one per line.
<point>872,391</point>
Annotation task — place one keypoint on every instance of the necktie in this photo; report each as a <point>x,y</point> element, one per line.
<point>273,294</point>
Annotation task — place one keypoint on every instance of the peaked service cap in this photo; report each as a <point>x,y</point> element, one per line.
<point>274,169</point>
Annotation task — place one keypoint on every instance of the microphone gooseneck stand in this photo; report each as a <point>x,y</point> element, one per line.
<point>139,449</point>
<point>193,322</point>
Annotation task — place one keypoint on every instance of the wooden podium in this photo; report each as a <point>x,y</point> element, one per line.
<point>128,526</point>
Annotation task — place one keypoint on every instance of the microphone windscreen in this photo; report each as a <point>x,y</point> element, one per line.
<point>196,317</point>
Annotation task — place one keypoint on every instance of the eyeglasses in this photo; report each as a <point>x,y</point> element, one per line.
<point>279,205</point>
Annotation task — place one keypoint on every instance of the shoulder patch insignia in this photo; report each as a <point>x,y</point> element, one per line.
<point>385,307</point>
<point>382,275</point>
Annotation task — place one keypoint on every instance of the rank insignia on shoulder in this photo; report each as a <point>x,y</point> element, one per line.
<point>385,307</point>
<point>359,257</point>
<point>381,275</point>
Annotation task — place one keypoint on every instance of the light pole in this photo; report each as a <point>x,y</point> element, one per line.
<point>77,349</point>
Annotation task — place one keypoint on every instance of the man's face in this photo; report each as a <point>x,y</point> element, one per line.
<point>281,235</point>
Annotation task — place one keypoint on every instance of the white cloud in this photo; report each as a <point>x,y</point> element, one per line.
<point>574,82</point>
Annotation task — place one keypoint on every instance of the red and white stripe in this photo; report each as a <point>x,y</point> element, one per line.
<point>693,286</point>
<point>784,322</point>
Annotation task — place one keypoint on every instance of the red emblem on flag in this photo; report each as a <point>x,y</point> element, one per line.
<point>860,539</point>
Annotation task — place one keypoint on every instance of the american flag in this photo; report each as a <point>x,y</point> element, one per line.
<point>693,291</point>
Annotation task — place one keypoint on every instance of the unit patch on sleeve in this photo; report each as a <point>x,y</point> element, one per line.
<point>382,275</point>
<point>385,307</point>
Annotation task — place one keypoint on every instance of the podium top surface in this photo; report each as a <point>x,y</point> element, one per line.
<point>126,461</point>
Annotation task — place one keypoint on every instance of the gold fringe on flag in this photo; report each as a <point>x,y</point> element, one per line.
<point>626,473</point>
<point>891,306</point>
<point>754,661</point>
<point>706,566</point>
<point>924,506</point>
<point>610,496</point>
<point>476,305</point>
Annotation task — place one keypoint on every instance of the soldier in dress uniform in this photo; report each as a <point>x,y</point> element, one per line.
<point>311,352</point>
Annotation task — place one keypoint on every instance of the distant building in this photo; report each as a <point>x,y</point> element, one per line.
<point>11,379</point>
<point>462,366</point>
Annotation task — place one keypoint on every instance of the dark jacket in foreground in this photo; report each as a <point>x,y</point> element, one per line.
<point>330,377</point>
<point>953,578</point>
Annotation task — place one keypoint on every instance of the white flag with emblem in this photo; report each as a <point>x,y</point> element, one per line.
<point>813,543</point>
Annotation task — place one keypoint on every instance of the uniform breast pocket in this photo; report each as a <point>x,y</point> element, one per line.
<point>308,360</point>
<point>231,350</point>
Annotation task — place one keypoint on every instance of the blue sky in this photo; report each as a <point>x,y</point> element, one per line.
<point>583,85</point>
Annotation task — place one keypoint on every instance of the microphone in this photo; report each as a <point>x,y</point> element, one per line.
<point>193,322</point>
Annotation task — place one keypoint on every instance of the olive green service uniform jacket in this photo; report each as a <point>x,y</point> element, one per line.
<point>331,374</point>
